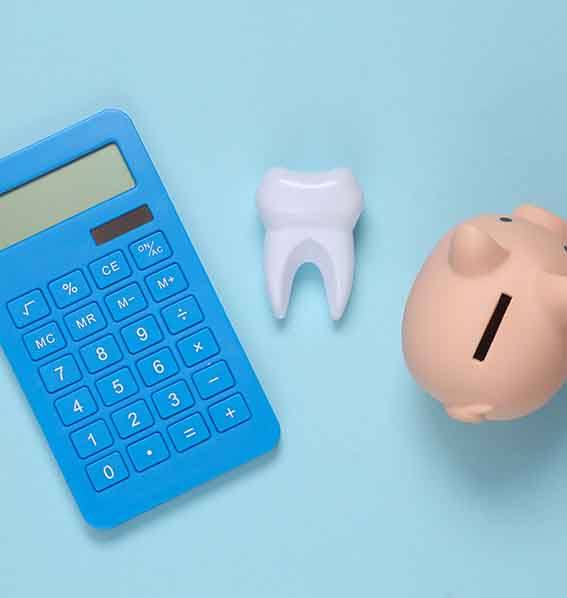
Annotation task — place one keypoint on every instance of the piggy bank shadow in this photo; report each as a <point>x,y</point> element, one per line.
<point>497,457</point>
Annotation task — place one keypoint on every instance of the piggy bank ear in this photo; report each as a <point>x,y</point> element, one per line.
<point>473,251</point>
<point>542,218</point>
<point>553,291</point>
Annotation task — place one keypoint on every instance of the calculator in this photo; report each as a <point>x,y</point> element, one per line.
<point>114,330</point>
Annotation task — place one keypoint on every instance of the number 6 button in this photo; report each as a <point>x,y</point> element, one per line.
<point>157,367</point>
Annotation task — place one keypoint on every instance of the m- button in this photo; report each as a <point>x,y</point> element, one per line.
<point>110,269</point>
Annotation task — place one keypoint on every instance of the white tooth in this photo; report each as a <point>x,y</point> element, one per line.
<point>309,218</point>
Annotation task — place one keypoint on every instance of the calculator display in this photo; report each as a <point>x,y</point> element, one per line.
<point>63,193</point>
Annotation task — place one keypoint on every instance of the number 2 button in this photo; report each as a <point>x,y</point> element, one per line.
<point>133,419</point>
<point>101,354</point>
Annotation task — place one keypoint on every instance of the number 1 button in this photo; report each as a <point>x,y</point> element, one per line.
<point>91,439</point>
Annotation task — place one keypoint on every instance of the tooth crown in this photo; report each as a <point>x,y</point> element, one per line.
<point>328,199</point>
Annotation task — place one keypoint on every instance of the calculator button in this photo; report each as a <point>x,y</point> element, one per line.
<point>69,289</point>
<point>117,386</point>
<point>213,380</point>
<point>60,373</point>
<point>44,341</point>
<point>150,250</point>
<point>182,315</point>
<point>28,309</point>
<point>172,399</point>
<point>110,269</point>
<point>229,413</point>
<point>85,321</point>
<point>107,472</point>
<point>126,302</point>
<point>148,452</point>
<point>133,419</point>
<point>101,354</point>
<point>157,367</point>
<point>142,334</point>
<point>166,283</point>
<point>198,347</point>
<point>76,406</point>
<point>189,432</point>
<point>91,439</point>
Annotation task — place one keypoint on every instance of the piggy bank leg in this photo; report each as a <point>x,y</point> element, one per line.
<point>471,414</point>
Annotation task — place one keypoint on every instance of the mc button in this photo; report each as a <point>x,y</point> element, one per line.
<point>44,341</point>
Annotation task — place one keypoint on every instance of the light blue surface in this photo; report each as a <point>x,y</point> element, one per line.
<point>443,109</point>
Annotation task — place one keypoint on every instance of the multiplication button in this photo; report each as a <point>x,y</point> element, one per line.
<point>150,251</point>
<point>69,289</point>
<point>28,309</point>
<point>198,347</point>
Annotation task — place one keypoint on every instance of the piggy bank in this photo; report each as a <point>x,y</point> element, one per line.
<point>485,325</point>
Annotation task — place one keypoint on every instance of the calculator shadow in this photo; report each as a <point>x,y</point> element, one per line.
<point>501,459</point>
<point>180,506</point>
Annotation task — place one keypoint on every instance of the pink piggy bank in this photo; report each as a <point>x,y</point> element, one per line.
<point>485,325</point>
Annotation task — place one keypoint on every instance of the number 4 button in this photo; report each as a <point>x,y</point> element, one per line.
<point>76,406</point>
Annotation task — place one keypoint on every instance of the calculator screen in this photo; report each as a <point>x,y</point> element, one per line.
<point>63,193</point>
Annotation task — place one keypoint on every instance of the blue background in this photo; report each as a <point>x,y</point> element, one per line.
<point>443,110</point>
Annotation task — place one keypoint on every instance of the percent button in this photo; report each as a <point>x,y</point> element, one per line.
<point>69,289</point>
<point>150,250</point>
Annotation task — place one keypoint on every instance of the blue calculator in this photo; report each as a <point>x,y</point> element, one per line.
<point>113,328</point>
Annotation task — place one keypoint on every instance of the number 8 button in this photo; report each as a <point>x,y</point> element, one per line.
<point>101,354</point>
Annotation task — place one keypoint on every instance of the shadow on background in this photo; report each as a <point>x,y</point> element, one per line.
<point>498,457</point>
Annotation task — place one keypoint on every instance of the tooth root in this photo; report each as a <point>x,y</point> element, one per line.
<point>331,251</point>
<point>309,218</point>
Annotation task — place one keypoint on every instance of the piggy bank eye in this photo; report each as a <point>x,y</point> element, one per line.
<point>505,219</point>
<point>565,248</point>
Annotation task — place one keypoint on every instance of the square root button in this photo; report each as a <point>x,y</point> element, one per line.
<point>28,309</point>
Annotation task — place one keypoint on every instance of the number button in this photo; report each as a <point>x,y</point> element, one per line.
<point>43,342</point>
<point>213,380</point>
<point>157,367</point>
<point>173,399</point>
<point>91,439</point>
<point>60,373</point>
<point>166,283</point>
<point>76,406</point>
<point>142,334</point>
<point>107,472</point>
<point>117,386</point>
<point>182,315</point>
<point>126,303</point>
<point>85,321</point>
<point>28,309</point>
<point>133,419</point>
<point>101,354</point>
<point>189,432</point>
<point>198,347</point>
<point>110,269</point>
<point>148,452</point>
<point>150,251</point>
<point>229,413</point>
<point>69,289</point>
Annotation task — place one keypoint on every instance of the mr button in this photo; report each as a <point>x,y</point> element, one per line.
<point>110,269</point>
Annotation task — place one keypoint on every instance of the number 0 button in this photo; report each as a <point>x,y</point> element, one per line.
<point>101,354</point>
<point>157,367</point>
<point>107,472</point>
